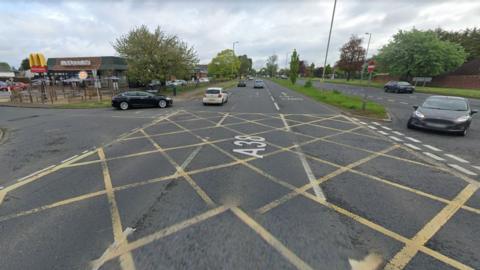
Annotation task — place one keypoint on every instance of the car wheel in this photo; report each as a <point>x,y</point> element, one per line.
<point>386,89</point>
<point>162,103</point>
<point>124,105</point>
<point>409,124</point>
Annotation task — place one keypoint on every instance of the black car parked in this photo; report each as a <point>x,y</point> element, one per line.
<point>131,99</point>
<point>399,87</point>
<point>443,113</point>
<point>241,83</point>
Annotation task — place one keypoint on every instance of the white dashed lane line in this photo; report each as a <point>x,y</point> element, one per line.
<point>387,128</point>
<point>434,156</point>
<point>476,167</point>
<point>398,133</point>
<point>376,123</point>
<point>383,132</point>
<point>413,139</point>
<point>372,127</point>
<point>363,123</point>
<point>432,148</point>
<point>276,106</point>
<point>396,139</point>
<point>461,169</point>
<point>405,103</point>
<point>412,146</point>
<point>457,158</point>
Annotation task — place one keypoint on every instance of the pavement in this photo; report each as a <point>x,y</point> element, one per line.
<point>269,180</point>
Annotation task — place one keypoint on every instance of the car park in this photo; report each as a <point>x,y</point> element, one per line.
<point>241,83</point>
<point>15,86</point>
<point>129,99</point>
<point>215,95</point>
<point>258,84</point>
<point>399,87</point>
<point>443,113</point>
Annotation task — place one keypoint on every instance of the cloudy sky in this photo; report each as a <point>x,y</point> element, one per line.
<point>87,28</point>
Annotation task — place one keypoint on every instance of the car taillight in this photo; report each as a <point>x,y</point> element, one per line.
<point>219,95</point>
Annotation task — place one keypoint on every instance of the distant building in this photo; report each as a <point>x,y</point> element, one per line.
<point>200,71</point>
<point>105,66</point>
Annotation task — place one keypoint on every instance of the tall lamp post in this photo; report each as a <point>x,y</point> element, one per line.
<point>328,43</point>
<point>366,55</point>
<point>233,47</point>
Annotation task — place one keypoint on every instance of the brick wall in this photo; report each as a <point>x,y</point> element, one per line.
<point>457,81</point>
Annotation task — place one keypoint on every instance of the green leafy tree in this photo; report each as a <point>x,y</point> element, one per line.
<point>24,65</point>
<point>155,55</point>
<point>419,54</point>
<point>328,69</point>
<point>469,39</point>
<point>245,65</point>
<point>272,65</point>
<point>352,56</point>
<point>294,66</point>
<point>225,64</point>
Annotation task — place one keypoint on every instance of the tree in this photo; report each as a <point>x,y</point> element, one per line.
<point>419,54</point>
<point>294,66</point>
<point>311,70</point>
<point>224,64</point>
<point>155,55</point>
<point>328,69</point>
<point>245,65</point>
<point>24,65</point>
<point>272,65</point>
<point>469,39</point>
<point>352,55</point>
<point>302,69</point>
<point>5,66</point>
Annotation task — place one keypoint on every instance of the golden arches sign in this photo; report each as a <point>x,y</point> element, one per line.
<point>37,62</point>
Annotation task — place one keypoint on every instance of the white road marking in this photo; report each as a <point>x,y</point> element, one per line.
<point>1,187</point>
<point>402,102</point>
<point>383,132</point>
<point>476,167</point>
<point>35,173</point>
<point>354,118</point>
<point>287,127</point>
<point>372,127</point>
<point>412,146</point>
<point>363,123</point>
<point>276,106</point>
<point>391,100</point>
<point>459,168</point>
<point>84,151</point>
<point>457,158</point>
<point>311,177</point>
<point>433,156</point>
<point>96,264</point>
<point>432,148</point>
<point>413,139</point>
<point>387,128</point>
<point>396,139</point>
<point>272,98</point>
<point>221,120</point>
<point>398,133</point>
<point>376,123</point>
<point>70,158</point>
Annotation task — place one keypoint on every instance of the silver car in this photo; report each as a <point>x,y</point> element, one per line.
<point>258,84</point>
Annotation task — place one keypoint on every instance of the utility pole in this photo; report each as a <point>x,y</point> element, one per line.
<point>328,43</point>
<point>233,47</point>
<point>366,55</point>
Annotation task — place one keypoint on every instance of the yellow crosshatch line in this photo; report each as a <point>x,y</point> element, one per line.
<point>178,176</point>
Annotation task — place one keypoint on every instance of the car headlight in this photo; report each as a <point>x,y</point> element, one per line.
<point>419,114</point>
<point>463,118</point>
<point>168,98</point>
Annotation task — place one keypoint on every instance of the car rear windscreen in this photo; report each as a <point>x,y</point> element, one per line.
<point>213,91</point>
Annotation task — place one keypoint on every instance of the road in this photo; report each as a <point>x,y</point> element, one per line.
<point>400,107</point>
<point>270,180</point>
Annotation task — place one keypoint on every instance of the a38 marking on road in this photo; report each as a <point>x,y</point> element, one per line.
<point>249,141</point>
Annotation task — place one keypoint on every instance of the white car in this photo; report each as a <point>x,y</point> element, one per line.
<point>215,95</point>
<point>203,80</point>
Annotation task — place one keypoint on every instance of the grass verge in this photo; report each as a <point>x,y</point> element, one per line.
<point>468,93</point>
<point>85,105</point>
<point>352,104</point>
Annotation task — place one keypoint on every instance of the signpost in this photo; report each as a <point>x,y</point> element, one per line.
<point>370,68</point>
<point>96,83</point>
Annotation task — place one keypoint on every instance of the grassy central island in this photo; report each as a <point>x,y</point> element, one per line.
<point>351,104</point>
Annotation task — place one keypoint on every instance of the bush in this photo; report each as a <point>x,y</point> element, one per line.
<point>308,84</point>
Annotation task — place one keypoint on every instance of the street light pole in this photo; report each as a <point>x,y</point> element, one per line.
<point>233,47</point>
<point>328,43</point>
<point>366,54</point>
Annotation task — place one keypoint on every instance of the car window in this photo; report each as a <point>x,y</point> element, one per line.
<point>445,104</point>
<point>258,81</point>
<point>404,83</point>
<point>213,91</point>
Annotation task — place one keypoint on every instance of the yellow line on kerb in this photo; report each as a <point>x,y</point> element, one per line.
<point>126,260</point>
<point>402,258</point>
<point>270,239</point>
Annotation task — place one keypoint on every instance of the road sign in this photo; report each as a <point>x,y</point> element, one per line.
<point>371,68</point>
<point>82,75</point>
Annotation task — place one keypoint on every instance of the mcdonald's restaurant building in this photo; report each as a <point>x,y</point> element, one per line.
<point>105,67</point>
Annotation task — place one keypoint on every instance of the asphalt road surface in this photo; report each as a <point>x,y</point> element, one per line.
<point>269,180</point>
